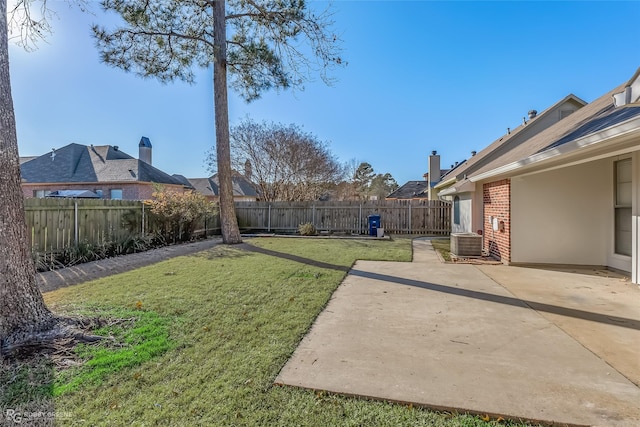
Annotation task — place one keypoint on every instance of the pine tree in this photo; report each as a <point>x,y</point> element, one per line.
<point>167,39</point>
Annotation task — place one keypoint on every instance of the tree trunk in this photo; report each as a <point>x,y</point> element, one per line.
<point>22,309</point>
<point>228,220</point>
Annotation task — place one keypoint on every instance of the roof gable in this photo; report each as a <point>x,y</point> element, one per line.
<point>411,190</point>
<point>211,186</point>
<point>70,163</point>
<point>600,107</point>
<point>81,163</point>
<point>517,136</point>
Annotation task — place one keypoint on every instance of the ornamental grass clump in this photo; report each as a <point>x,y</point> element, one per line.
<point>307,229</point>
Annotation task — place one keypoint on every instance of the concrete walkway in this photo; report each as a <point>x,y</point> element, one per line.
<point>456,337</point>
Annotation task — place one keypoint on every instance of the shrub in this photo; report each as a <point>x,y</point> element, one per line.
<point>307,229</point>
<point>178,213</point>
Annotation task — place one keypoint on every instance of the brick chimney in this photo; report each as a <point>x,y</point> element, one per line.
<point>144,150</point>
<point>248,170</point>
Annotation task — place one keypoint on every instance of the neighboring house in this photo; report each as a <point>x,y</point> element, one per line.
<point>456,187</point>
<point>420,190</point>
<point>27,159</point>
<point>571,193</point>
<point>412,190</point>
<point>103,170</point>
<point>243,189</point>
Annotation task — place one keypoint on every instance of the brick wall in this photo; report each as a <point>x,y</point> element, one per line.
<point>496,202</point>
<point>130,191</point>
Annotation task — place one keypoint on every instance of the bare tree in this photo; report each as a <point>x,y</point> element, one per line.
<point>29,21</point>
<point>166,39</point>
<point>285,162</point>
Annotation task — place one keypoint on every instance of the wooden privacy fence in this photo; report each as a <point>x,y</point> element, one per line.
<point>55,224</point>
<point>432,217</point>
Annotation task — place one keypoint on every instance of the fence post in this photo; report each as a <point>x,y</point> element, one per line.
<point>360,220</point>
<point>142,218</point>
<point>410,225</point>
<point>75,221</point>
<point>269,219</point>
<point>313,215</point>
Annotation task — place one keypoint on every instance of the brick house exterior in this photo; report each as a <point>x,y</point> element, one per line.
<point>570,194</point>
<point>105,170</point>
<point>496,197</point>
<point>130,191</point>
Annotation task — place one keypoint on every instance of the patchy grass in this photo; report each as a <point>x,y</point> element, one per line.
<point>136,337</point>
<point>443,246</point>
<point>234,316</point>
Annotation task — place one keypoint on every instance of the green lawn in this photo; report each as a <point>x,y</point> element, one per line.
<point>223,323</point>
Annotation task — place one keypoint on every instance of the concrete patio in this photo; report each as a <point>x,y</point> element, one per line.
<point>557,347</point>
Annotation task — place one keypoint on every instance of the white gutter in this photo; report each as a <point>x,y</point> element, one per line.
<point>630,127</point>
<point>450,181</point>
<point>465,186</point>
<point>447,192</point>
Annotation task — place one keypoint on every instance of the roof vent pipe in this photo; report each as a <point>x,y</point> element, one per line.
<point>115,147</point>
<point>509,131</point>
<point>434,152</point>
<point>533,114</point>
<point>473,153</point>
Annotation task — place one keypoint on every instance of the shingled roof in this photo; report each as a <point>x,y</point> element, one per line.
<point>411,190</point>
<point>577,124</point>
<point>508,141</point>
<point>81,163</point>
<point>211,186</point>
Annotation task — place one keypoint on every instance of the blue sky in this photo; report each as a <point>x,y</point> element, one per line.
<point>421,76</point>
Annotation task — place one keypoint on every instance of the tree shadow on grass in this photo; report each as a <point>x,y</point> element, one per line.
<point>245,249</point>
<point>250,248</point>
<point>223,252</point>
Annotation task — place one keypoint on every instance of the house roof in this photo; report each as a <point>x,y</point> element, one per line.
<point>25,159</point>
<point>211,186</point>
<point>611,118</point>
<point>579,123</point>
<point>81,163</point>
<point>411,190</point>
<point>506,142</point>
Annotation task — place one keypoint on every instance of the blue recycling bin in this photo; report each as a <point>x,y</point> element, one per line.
<point>374,224</point>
